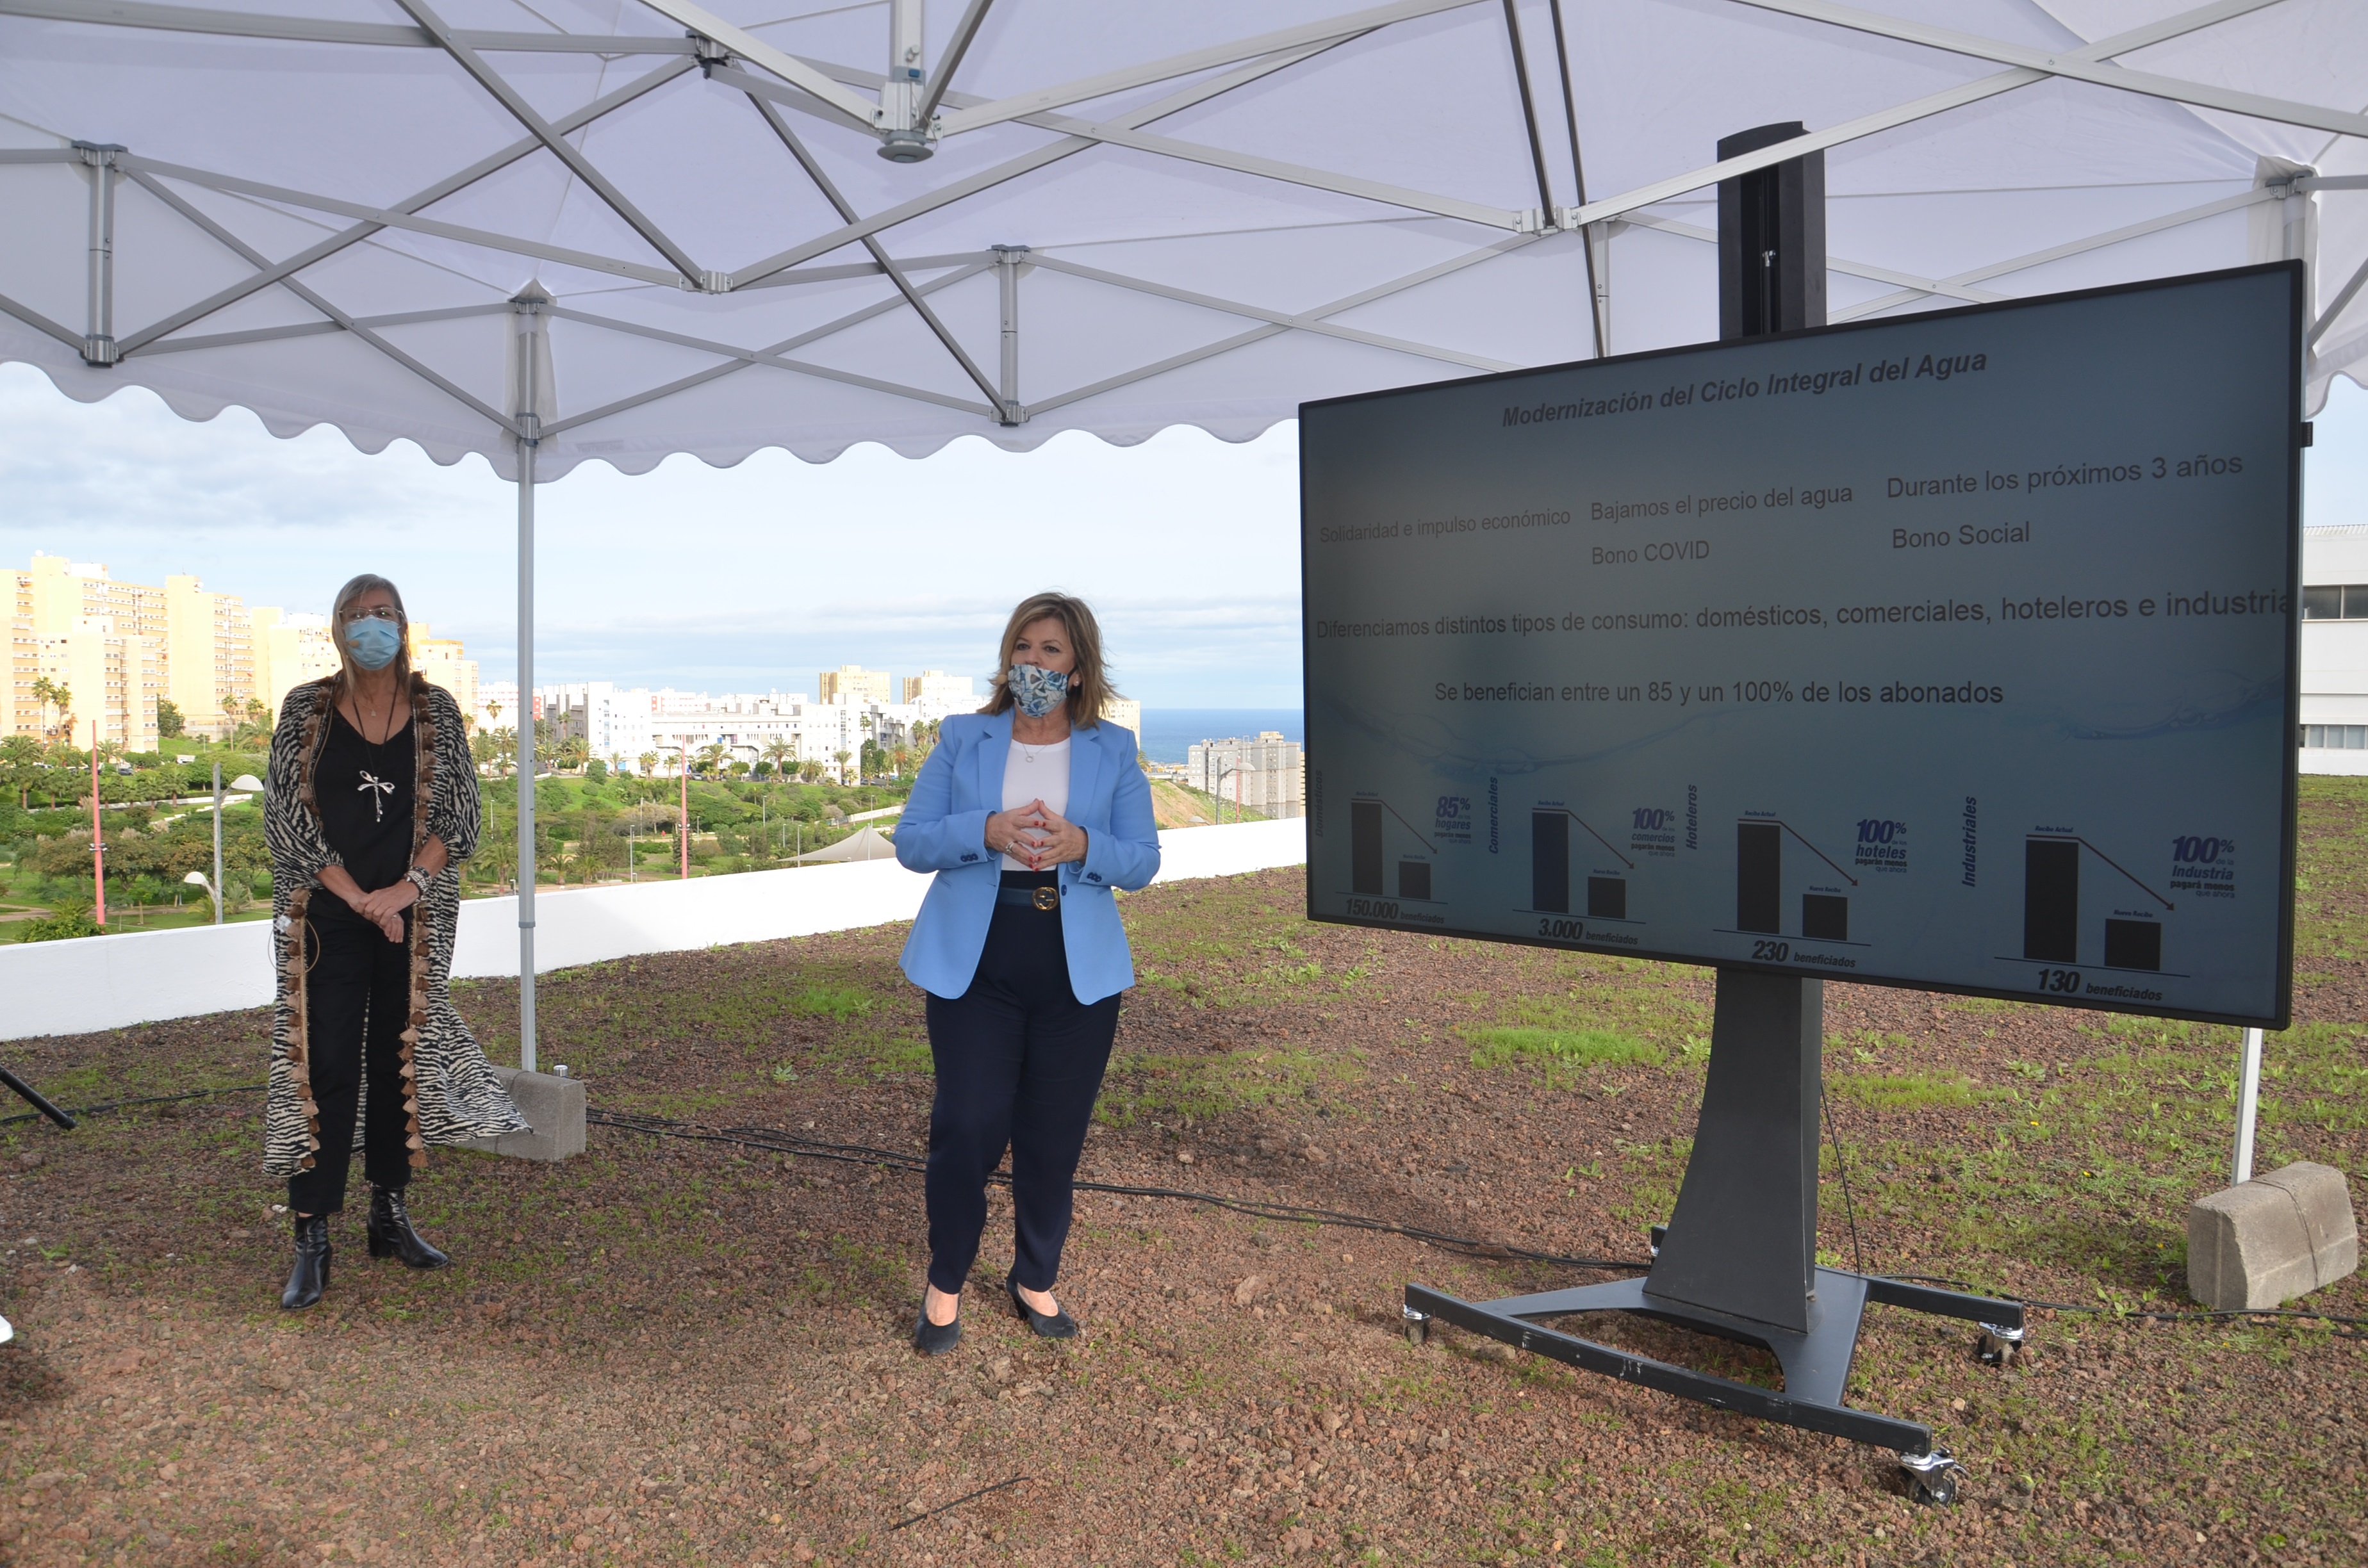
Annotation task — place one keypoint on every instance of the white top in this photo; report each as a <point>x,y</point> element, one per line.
<point>1035,773</point>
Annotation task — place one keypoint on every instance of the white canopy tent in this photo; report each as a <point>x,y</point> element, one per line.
<point>623,229</point>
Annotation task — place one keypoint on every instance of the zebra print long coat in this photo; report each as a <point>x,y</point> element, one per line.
<point>450,1093</point>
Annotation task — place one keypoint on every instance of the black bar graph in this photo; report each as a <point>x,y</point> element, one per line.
<point>2051,900</point>
<point>1759,876</point>
<point>2133,944</point>
<point>1825,918</point>
<point>1365,848</point>
<point>1607,898</point>
<point>1414,880</point>
<point>1550,861</point>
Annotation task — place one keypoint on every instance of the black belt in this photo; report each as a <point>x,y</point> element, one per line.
<point>1044,898</point>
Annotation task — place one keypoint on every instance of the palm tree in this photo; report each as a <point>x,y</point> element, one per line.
<point>840,757</point>
<point>649,762</point>
<point>49,694</point>
<point>575,751</point>
<point>711,756</point>
<point>777,752</point>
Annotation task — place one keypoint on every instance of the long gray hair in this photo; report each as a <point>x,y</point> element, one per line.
<point>367,583</point>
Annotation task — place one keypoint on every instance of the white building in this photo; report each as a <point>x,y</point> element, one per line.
<point>2335,650</point>
<point>1265,774</point>
<point>498,705</point>
<point>614,722</point>
<point>939,695</point>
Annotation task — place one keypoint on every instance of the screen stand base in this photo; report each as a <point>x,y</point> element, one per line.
<point>1739,1257</point>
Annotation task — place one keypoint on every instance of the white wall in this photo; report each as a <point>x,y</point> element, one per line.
<point>104,983</point>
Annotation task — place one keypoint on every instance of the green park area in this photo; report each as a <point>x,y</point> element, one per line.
<point>592,825</point>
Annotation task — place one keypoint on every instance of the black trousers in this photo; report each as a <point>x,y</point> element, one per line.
<point>1019,1062</point>
<point>358,999</point>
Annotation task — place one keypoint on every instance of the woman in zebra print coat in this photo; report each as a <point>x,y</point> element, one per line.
<point>371,805</point>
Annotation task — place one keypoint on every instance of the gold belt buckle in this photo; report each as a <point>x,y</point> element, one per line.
<point>1047,898</point>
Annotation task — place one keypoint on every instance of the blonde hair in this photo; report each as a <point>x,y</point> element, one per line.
<point>369,582</point>
<point>1090,687</point>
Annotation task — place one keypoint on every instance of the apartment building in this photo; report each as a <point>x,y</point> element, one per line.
<point>938,694</point>
<point>119,647</point>
<point>2334,736</point>
<point>855,681</point>
<point>209,660</point>
<point>1265,773</point>
<point>291,647</point>
<point>445,663</point>
<point>105,641</point>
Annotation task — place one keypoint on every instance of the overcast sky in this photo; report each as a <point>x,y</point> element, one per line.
<point>747,579</point>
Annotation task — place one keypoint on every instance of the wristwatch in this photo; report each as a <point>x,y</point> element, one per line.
<point>418,877</point>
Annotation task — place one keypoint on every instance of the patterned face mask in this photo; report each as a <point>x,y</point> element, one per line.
<point>1036,689</point>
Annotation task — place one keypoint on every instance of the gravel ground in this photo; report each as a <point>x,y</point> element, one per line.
<point>680,1351</point>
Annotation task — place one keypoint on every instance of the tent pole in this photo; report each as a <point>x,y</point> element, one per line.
<point>526,745</point>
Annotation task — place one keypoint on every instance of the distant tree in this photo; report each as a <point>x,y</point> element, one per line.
<point>575,751</point>
<point>49,694</point>
<point>777,751</point>
<point>710,756</point>
<point>840,757</point>
<point>811,772</point>
<point>169,719</point>
<point>649,762</point>
<point>20,764</point>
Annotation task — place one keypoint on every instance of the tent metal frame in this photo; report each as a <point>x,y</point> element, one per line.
<point>912,106</point>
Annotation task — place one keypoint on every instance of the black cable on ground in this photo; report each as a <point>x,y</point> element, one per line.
<point>1841,1169</point>
<point>933,1513</point>
<point>151,1099</point>
<point>777,1142</point>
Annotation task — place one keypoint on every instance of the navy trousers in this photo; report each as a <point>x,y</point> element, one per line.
<point>1019,1062</point>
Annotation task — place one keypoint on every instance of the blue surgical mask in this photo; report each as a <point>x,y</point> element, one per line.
<point>373,642</point>
<point>1036,689</point>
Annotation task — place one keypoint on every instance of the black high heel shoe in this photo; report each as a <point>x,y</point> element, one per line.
<point>310,1278</point>
<point>1054,1326</point>
<point>936,1338</point>
<point>390,1235</point>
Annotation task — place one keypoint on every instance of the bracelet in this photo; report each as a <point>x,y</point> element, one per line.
<point>418,877</point>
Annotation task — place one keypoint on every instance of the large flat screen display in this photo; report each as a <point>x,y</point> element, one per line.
<point>1954,652</point>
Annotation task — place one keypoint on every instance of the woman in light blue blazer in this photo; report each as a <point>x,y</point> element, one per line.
<point>1033,812</point>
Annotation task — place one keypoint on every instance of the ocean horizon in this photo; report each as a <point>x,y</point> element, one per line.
<point>1168,732</point>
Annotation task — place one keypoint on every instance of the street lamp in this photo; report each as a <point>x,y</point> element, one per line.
<point>244,781</point>
<point>1226,771</point>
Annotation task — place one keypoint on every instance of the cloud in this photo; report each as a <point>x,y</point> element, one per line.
<point>752,577</point>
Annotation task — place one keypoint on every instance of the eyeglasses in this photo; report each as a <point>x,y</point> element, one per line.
<point>378,612</point>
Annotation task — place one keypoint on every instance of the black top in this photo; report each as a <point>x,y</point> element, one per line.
<point>364,793</point>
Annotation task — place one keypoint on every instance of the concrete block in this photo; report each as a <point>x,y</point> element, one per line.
<point>553,1109</point>
<point>2278,1236</point>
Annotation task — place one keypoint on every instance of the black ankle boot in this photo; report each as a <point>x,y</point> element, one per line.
<point>311,1275</point>
<point>390,1235</point>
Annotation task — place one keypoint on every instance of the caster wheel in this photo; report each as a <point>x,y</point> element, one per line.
<point>1998,1347</point>
<point>1932,1477</point>
<point>1934,1491</point>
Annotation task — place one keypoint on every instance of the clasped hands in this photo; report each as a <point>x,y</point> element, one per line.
<point>384,908</point>
<point>1036,835</point>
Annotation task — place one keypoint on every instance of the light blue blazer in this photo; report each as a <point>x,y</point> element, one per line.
<point>944,830</point>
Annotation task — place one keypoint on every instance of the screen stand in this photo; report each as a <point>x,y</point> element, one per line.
<point>1739,1258</point>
